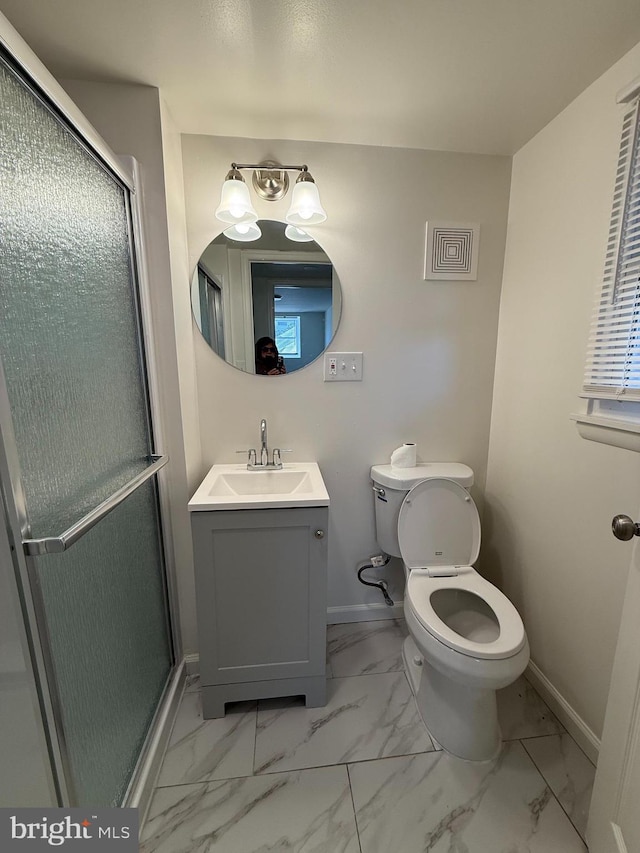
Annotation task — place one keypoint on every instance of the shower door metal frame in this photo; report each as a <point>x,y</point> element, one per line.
<point>28,68</point>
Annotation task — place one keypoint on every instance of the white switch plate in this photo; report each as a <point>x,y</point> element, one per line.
<point>342,366</point>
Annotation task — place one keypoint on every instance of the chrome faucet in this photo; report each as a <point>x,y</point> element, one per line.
<point>276,459</point>
<point>264,450</point>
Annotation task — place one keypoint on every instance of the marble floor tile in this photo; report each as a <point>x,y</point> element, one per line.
<point>309,811</point>
<point>434,802</point>
<point>522,713</point>
<point>567,771</point>
<point>366,716</point>
<point>362,648</point>
<point>200,750</point>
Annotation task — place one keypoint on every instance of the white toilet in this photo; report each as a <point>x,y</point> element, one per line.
<point>466,637</point>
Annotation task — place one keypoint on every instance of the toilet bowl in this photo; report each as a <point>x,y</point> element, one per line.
<point>466,638</point>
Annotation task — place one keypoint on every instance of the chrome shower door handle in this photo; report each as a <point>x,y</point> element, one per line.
<point>58,544</point>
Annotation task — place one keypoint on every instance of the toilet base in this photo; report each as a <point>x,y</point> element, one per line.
<point>463,720</point>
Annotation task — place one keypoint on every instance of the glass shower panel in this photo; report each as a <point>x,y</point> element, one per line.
<point>110,647</point>
<point>67,316</point>
<point>72,358</point>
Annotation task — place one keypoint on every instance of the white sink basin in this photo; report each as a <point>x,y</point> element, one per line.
<point>235,487</point>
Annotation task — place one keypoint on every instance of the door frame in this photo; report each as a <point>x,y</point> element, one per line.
<point>621,735</point>
<point>249,256</point>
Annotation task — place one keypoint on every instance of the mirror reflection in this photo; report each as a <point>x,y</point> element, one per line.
<point>270,306</point>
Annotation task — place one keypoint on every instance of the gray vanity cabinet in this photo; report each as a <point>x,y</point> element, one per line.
<point>261,589</point>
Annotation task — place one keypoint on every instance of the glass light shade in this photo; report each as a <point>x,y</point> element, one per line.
<point>235,203</point>
<point>244,232</point>
<point>305,205</point>
<point>297,234</point>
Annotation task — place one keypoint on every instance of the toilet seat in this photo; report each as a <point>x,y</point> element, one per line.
<point>511,638</point>
<point>439,538</point>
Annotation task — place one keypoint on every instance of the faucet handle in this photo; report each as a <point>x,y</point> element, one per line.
<point>277,460</point>
<point>251,456</point>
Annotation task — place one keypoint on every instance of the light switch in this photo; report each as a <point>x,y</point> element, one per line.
<point>342,366</point>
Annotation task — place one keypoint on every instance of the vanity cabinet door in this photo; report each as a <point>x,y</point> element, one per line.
<point>261,578</point>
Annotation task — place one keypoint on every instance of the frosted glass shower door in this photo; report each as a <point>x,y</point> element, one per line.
<point>78,432</point>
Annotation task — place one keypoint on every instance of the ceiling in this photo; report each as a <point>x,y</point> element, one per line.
<point>462,75</point>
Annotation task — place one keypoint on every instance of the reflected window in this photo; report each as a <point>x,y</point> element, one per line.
<point>288,335</point>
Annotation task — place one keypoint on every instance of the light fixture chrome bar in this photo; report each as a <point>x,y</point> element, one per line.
<point>266,168</point>
<point>58,544</point>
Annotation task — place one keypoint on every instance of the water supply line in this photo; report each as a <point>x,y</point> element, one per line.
<point>382,585</point>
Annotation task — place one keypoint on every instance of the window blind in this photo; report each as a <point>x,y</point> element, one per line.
<point>613,353</point>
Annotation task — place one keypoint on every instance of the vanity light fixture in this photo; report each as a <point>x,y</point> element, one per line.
<point>243,232</point>
<point>305,202</point>
<point>271,182</point>
<point>235,203</point>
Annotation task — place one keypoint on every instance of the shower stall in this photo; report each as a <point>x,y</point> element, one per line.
<point>87,660</point>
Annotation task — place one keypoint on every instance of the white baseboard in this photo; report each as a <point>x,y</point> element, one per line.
<point>586,739</point>
<point>364,613</point>
<point>192,663</point>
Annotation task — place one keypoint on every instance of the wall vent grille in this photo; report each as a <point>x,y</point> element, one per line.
<point>452,251</point>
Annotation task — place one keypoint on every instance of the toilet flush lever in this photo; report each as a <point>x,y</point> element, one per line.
<point>624,528</point>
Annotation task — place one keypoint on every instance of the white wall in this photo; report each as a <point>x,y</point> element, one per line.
<point>133,121</point>
<point>550,495</point>
<point>429,347</point>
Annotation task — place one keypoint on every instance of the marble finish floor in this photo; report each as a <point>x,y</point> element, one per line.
<point>362,775</point>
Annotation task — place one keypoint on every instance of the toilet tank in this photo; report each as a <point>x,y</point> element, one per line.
<point>391,486</point>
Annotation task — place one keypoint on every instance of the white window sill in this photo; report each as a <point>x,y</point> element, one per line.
<point>613,431</point>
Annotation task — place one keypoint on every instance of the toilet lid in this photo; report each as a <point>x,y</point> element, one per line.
<point>438,525</point>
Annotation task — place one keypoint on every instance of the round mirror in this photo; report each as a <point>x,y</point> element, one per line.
<point>269,306</point>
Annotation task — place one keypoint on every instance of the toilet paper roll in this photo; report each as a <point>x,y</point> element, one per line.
<point>405,456</point>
